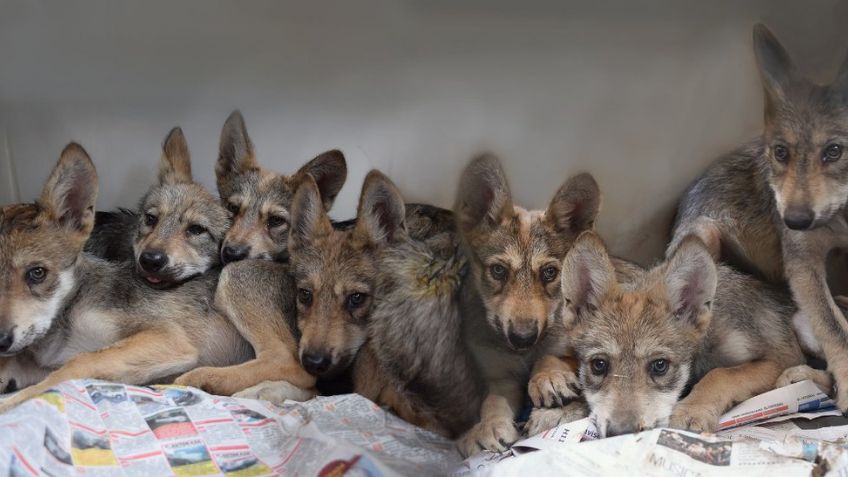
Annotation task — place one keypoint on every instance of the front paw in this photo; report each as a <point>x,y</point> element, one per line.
<point>496,435</point>
<point>796,374</point>
<point>694,417</point>
<point>542,419</point>
<point>209,379</point>
<point>276,392</point>
<point>553,388</point>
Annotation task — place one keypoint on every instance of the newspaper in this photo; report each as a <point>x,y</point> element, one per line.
<point>95,428</point>
<point>772,432</point>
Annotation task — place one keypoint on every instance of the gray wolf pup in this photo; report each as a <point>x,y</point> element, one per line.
<point>686,322</point>
<point>777,206</point>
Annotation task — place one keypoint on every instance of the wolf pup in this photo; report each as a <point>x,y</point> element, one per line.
<point>176,232</point>
<point>260,199</point>
<point>779,203</point>
<point>67,315</point>
<point>512,308</point>
<point>685,322</point>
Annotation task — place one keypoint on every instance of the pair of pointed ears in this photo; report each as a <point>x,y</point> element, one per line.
<point>380,215</point>
<point>175,163</point>
<point>236,156</point>
<point>70,192</point>
<point>484,199</point>
<point>689,279</point>
<point>778,71</point>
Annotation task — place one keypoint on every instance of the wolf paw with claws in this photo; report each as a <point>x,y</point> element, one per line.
<point>542,419</point>
<point>553,388</point>
<point>495,435</point>
<point>694,417</point>
<point>276,392</point>
<point>796,374</point>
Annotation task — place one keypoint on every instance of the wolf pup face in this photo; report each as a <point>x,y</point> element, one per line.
<point>181,224</point>
<point>515,253</point>
<point>635,344</point>
<point>806,134</point>
<point>260,200</point>
<point>39,247</point>
<point>335,270</point>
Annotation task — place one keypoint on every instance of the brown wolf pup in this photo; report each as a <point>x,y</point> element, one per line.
<point>383,295</point>
<point>512,308</point>
<point>779,203</point>
<point>685,322</point>
<point>67,315</point>
<point>260,199</point>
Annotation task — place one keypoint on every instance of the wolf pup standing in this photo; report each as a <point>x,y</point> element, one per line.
<point>779,203</point>
<point>512,308</point>
<point>260,199</point>
<point>685,322</point>
<point>67,315</point>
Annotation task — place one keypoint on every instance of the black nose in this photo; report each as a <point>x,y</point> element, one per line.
<point>316,363</point>
<point>6,339</point>
<point>623,427</point>
<point>798,219</point>
<point>234,253</point>
<point>152,260</point>
<point>523,336</point>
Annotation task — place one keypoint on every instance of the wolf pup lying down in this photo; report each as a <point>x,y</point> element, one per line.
<point>685,322</point>
<point>67,315</point>
<point>511,308</point>
<point>779,203</point>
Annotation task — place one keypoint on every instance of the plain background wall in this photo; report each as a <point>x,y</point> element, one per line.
<point>641,94</point>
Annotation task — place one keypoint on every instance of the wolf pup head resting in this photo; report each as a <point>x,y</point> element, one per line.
<point>260,199</point>
<point>806,134</point>
<point>335,271</point>
<point>635,344</point>
<point>39,247</point>
<point>181,224</point>
<point>515,254</point>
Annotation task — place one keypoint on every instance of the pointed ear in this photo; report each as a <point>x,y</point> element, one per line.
<point>575,206</point>
<point>587,276</point>
<point>776,68</point>
<point>175,164</point>
<point>690,283</point>
<point>483,199</point>
<point>309,220</point>
<point>380,217</point>
<point>235,153</point>
<point>71,191</point>
<point>330,172</point>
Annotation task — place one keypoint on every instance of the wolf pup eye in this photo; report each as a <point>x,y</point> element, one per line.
<point>781,153</point>
<point>275,221</point>
<point>36,275</point>
<point>659,367</point>
<point>599,366</point>
<point>832,153</point>
<point>233,208</point>
<point>196,229</point>
<point>355,300</point>
<point>304,296</point>
<point>150,220</point>
<point>549,274</point>
<point>498,272</point>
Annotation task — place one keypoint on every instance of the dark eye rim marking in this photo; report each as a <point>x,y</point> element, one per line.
<point>832,153</point>
<point>780,153</point>
<point>35,275</point>
<point>275,221</point>
<point>355,300</point>
<point>150,220</point>
<point>599,366</point>
<point>498,272</point>
<point>196,229</point>
<point>659,367</point>
<point>233,208</point>
<point>304,296</point>
<point>549,274</point>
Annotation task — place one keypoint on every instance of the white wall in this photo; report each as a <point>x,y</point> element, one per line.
<point>643,96</point>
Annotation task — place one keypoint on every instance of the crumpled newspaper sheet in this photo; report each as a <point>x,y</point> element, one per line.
<point>89,427</point>
<point>789,431</point>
